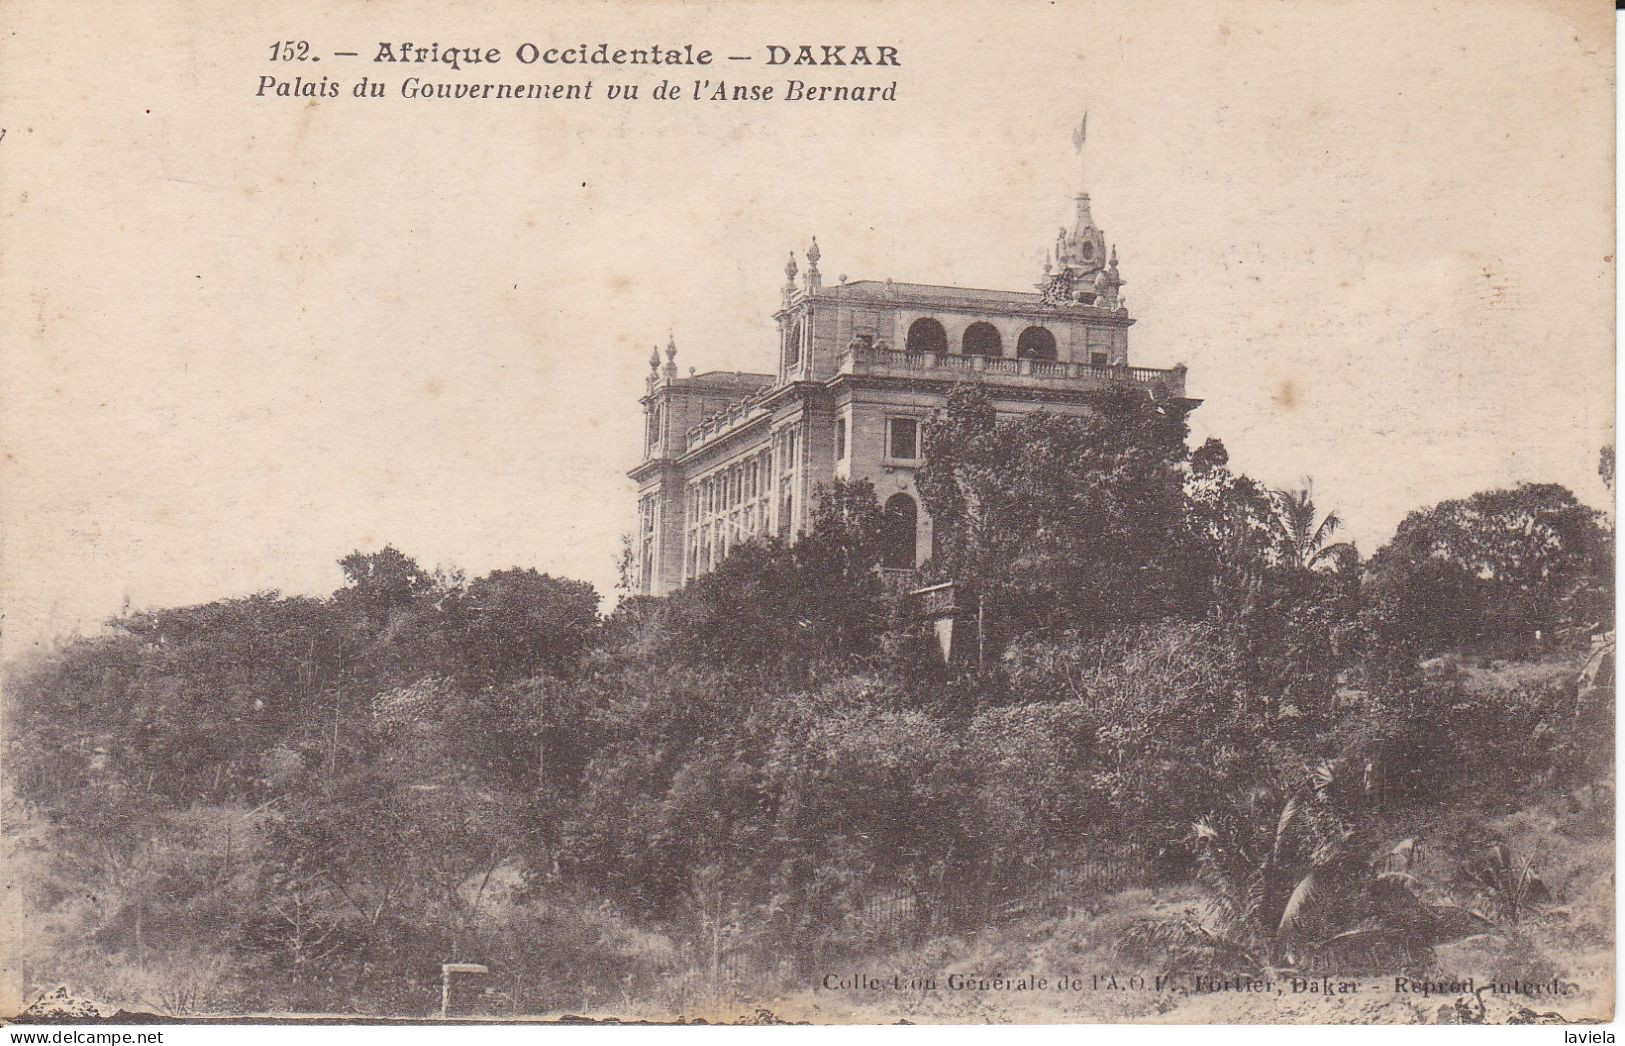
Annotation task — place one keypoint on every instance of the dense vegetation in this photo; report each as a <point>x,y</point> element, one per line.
<point>287,803</point>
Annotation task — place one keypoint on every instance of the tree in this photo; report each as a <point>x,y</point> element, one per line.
<point>846,533</point>
<point>870,800</point>
<point>182,701</point>
<point>393,626</point>
<point>1232,518</point>
<point>511,624</point>
<point>1288,876</point>
<point>1309,545</point>
<point>775,608</point>
<point>1060,522</point>
<point>1035,771</point>
<point>398,856</point>
<point>1174,719</point>
<point>626,561</point>
<point>1501,566</point>
<point>1294,620</point>
<point>380,583</point>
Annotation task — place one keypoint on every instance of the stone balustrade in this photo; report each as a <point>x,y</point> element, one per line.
<point>727,419</point>
<point>1004,370</point>
<point>950,367</point>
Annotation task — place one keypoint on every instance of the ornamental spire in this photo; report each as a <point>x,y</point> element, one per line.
<point>790,278</point>
<point>1081,258</point>
<point>1085,247</point>
<point>814,280</point>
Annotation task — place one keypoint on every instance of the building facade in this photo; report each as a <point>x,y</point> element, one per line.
<point>731,456</point>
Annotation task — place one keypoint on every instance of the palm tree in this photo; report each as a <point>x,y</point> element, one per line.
<point>1290,880</point>
<point>1308,545</point>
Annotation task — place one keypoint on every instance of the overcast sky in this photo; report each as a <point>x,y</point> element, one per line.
<point>245,336</point>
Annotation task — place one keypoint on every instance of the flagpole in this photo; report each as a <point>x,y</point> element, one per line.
<point>1079,137</point>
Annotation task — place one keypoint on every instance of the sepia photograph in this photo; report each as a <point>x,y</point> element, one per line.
<point>681,513</point>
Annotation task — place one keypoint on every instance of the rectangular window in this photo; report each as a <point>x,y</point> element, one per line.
<point>903,439</point>
<point>840,438</point>
<point>646,545</point>
<point>1097,358</point>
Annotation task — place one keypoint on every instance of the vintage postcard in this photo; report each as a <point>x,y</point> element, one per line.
<point>1076,512</point>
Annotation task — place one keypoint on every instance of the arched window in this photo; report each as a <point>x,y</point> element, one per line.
<point>902,518</point>
<point>982,339</point>
<point>927,335</point>
<point>792,348</point>
<point>1035,343</point>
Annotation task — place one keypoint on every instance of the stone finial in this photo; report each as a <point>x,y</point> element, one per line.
<point>654,358</point>
<point>814,280</point>
<point>671,357</point>
<point>1108,283</point>
<point>790,278</point>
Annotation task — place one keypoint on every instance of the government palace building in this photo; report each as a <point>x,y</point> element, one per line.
<point>861,366</point>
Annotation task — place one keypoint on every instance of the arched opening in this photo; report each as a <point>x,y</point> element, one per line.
<point>902,519</point>
<point>792,347</point>
<point>926,335</point>
<point>1035,343</point>
<point>982,339</point>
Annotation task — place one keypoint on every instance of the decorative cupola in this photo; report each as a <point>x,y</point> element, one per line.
<point>1080,270</point>
<point>1085,248</point>
<point>1080,273</point>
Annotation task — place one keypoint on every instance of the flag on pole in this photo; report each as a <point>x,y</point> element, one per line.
<point>1080,132</point>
